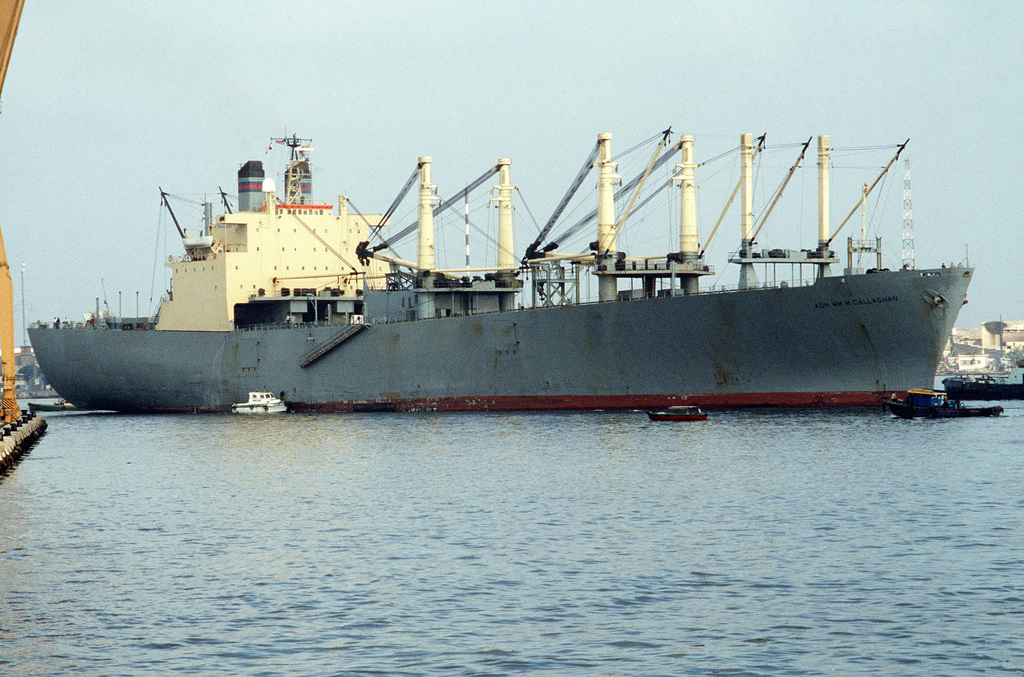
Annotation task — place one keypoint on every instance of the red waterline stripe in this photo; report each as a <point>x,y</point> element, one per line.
<point>576,402</point>
<point>585,402</point>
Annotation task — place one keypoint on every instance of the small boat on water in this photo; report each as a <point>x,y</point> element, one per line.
<point>677,413</point>
<point>260,402</point>
<point>935,404</point>
<point>59,405</point>
<point>988,386</point>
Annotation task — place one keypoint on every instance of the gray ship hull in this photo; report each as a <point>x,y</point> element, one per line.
<point>845,340</point>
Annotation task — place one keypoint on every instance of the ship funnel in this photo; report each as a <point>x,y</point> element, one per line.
<point>250,186</point>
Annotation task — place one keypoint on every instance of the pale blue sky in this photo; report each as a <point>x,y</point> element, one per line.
<point>104,102</point>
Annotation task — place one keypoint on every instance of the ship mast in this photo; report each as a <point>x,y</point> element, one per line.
<point>607,242</point>
<point>506,235</point>
<point>298,179</point>
<point>748,278</point>
<point>10,14</point>
<point>823,205</point>
<point>426,259</point>
<point>688,264</point>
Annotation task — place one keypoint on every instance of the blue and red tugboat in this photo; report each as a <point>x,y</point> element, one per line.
<point>935,404</point>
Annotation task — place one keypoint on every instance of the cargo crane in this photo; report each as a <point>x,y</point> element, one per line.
<point>10,14</point>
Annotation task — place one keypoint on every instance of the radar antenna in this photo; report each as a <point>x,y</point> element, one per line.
<point>296,144</point>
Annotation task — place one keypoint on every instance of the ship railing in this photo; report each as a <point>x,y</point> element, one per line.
<point>779,284</point>
<point>625,296</point>
<point>637,294</point>
<point>108,323</point>
<point>290,325</point>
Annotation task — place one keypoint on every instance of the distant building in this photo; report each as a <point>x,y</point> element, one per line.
<point>994,346</point>
<point>29,379</point>
<point>1003,335</point>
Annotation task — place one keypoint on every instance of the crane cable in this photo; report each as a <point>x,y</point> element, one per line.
<point>885,170</point>
<point>444,205</point>
<point>778,193</point>
<point>647,172</point>
<point>394,204</point>
<point>588,164</point>
<point>624,189</point>
<point>732,197</point>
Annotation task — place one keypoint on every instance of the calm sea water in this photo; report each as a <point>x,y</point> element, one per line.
<point>759,542</point>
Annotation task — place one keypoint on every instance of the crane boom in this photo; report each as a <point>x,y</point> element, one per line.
<point>10,14</point>
<point>885,169</point>
<point>778,193</point>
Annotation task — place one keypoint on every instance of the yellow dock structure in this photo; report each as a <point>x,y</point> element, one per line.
<point>10,14</point>
<point>18,430</point>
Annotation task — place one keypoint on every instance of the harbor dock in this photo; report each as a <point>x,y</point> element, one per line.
<point>16,438</point>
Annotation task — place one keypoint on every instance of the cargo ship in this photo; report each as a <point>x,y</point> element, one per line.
<point>306,300</point>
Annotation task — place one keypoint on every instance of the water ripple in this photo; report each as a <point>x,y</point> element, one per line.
<point>767,542</point>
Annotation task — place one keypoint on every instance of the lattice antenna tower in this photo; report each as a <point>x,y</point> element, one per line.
<point>908,220</point>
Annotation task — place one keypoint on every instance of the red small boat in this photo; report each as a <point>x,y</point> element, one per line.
<point>678,414</point>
